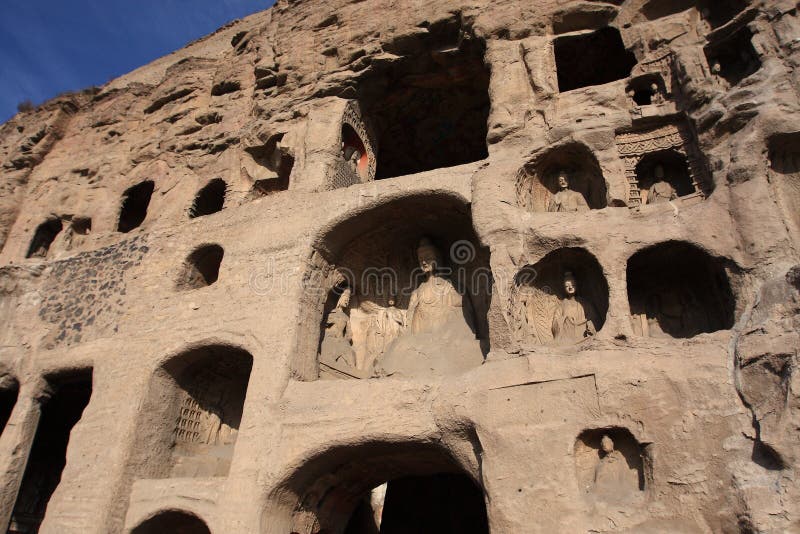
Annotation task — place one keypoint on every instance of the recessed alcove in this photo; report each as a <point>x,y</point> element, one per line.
<point>190,418</point>
<point>540,304</point>
<point>647,90</point>
<point>172,522</point>
<point>677,290</point>
<point>425,491</point>
<point>377,258</point>
<point>611,465</point>
<point>784,159</point>
<point>733,58</point>
<point>210,199</point>
<point>201,268</point>
<point>60,413</point>
<point>135,202</point>
<point>593,58</point>
<point>429,107</point>
<point>9,390</point>
<point>719,12</point>
<point>269,166</point>
<point>538,181</point>
<point>656,9</point>
<point>81,225</point>
<point>664,175</point>
<point>43,237</point>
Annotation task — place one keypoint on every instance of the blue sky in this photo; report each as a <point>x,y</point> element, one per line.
<point>51,46</point>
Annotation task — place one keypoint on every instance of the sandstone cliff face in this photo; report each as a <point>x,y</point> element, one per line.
<point>176,244</point>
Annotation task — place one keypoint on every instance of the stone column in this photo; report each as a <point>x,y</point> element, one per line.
<point>15,445</point>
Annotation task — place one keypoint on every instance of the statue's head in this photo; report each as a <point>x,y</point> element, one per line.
<point>428,256</point>
<point>563,179</point>
<point>344,299</point>
<point>570,284</point>
<point>659,172</point>
<point>607,444</point>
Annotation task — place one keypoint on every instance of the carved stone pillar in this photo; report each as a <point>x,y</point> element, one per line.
<point>15,445</point>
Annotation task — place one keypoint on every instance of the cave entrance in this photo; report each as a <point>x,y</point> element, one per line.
<point>48,454</point>
<point>383,488</point>
<point>191,417</point>
<point>45,235</point>
<point>430,106</point>
<point>201,268</point>
<point>733,58</point>
<point>210,199</point>
<point>678,290</point>
<point>172,522</point>
<point>593,58</point>
<point>134,206</point>
<point>422,504</point>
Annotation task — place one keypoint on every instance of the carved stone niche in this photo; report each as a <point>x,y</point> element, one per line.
<point>268,166</point>
<point>678,290</point>
<point>409,294</point>
<point>190,420</point>
<point>538,182</point>
<point>545,311</point>
<point>647,90</point>
<point>667,155</point>
<point>612,466</point>
<point>784,160</point>
<point>356,162</point>
<point>731,56</point>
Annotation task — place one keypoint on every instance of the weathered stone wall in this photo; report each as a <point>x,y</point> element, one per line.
<point>696,383</point>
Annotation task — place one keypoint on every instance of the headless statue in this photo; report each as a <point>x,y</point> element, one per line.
<point>566,200</point>
<point>575,317</point>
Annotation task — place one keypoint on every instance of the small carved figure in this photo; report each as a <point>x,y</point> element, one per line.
<point>566,200</point>
<point>352,157</point>
<point>612,476</point>
<point>575,317</point>
<point>337,341</point>
<point>657,97</point>
<point>661,190</point>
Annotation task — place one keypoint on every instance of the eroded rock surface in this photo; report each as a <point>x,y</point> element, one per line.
<point>388,266</point>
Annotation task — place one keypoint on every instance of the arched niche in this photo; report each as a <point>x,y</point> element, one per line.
<point>43,237</point>
<point>190,417</point>
<point>676,289</point>
<point>611,465</point>
<point>356,162</point>
<point>673,145</point>
<point>544,313</point>
<point>135,202</point>
<point>201,267</point>
<point>210,199</point>
<point>538,181</point>
<point>376,487</point>
<point>172,522</point>
<point>376,257</point>
<point>663,176</point>
<point>784,161</point>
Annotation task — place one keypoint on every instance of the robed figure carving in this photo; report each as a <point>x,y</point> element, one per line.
<point>575,317</point>
<point>440,338</point>
<point>567,200</point>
